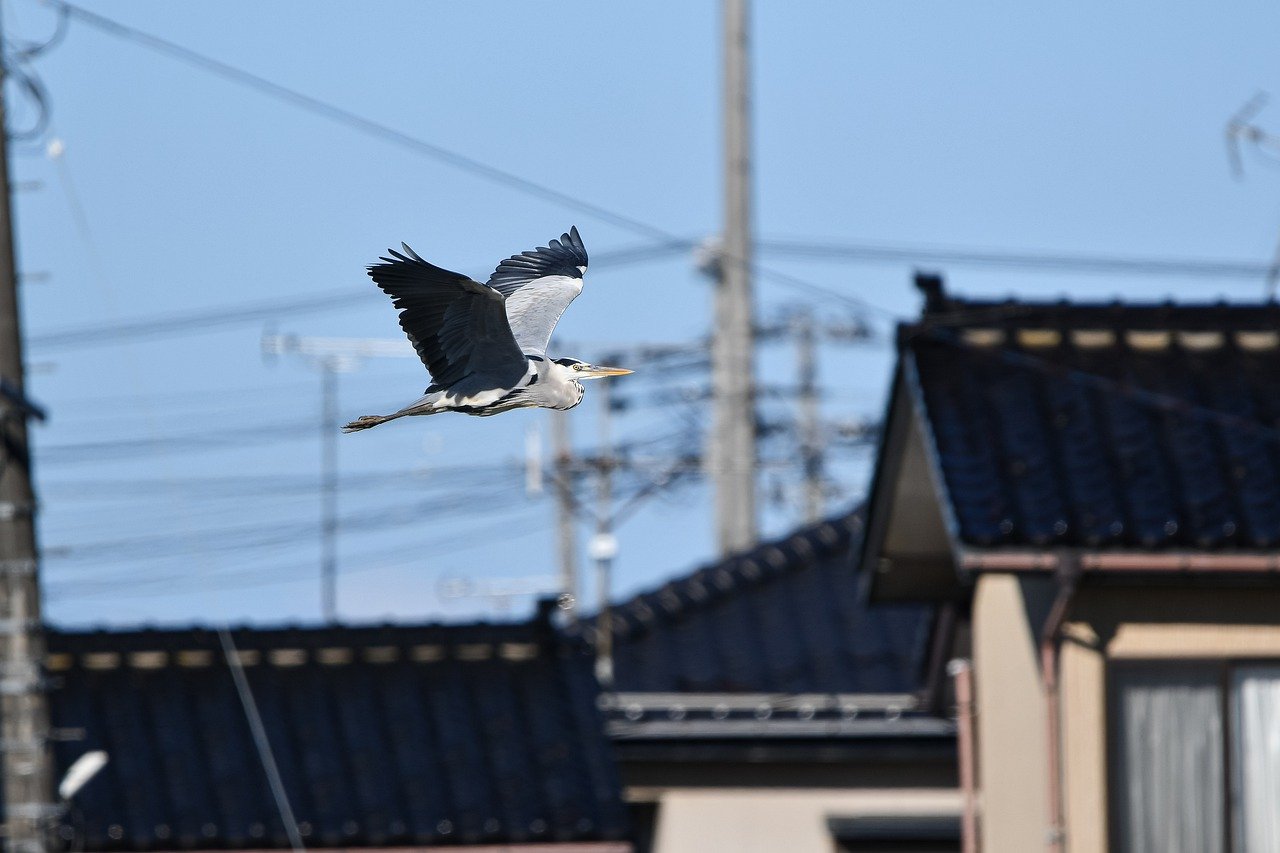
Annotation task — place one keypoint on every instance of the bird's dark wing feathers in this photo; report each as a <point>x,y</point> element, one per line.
<point>458,326</point>
<point>560,257</point>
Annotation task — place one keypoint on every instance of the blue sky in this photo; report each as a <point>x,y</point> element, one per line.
<point>177,473</point>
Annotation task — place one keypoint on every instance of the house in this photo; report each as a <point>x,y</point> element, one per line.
<point>1095,488</point>
<point>484,735</point>
<point>759,704</point>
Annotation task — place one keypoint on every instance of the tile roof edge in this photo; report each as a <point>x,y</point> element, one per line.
<point>960,312</point>
<point>700,586</point>
<point>310,633</point>
<point>1126,560</point>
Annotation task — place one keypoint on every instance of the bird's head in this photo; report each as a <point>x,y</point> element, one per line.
<point>582,370</point>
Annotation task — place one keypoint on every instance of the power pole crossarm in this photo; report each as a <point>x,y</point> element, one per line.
<point>24,715</point>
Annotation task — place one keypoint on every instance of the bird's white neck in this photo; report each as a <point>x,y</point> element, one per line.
<point>560,388</point>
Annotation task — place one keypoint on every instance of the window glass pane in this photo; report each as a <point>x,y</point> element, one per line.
<point>1169,788</point>
<point>1255,757</point>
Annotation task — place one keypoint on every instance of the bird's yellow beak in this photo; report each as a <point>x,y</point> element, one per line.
<point>594,372</point>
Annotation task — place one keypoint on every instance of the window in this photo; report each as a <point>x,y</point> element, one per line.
<point>1255,757</point>
<point>1196,757</point>
<point>903,833</point>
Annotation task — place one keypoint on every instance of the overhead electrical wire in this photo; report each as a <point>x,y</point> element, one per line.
<point>264,575</point>
<point>152,546</point>
<point>185,323</point>
<point>661,236</point>
<point>134,329</point>
<point>351,119</point>
<point>265,485</point>
<point>665,240</point>
<point>1055,262</point>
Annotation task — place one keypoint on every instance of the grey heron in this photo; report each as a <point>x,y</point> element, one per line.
<point>485,345</point>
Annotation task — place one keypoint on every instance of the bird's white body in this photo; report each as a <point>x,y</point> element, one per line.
<point>546,384</point>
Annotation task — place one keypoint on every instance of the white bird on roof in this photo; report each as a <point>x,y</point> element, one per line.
<point>485,345</point>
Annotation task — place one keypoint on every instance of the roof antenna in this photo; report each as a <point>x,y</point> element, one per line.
<point>1240,127</point>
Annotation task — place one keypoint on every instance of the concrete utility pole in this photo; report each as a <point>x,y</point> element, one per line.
<point>329,488</point>
<point>604,544</point>
<point>733,441</point>
<point>562,450</point>
<point>810,422</point>
<point>24,729</point>
<point>332,356</point>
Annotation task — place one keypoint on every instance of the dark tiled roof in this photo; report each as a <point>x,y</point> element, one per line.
<point>784,617</point>
<point>383,736</point>
<point>1120,426</point>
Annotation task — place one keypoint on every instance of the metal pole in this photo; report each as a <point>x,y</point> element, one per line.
<point>27,771</point>
<point>604,545</point>
<point>962,672</point>
<point>810,425</point>
<point>562,447</point>
<point>329,491</point>
<point>733,446</point>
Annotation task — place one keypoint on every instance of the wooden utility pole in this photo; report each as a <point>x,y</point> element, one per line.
<point>733,442</point>
<point>28,782</point>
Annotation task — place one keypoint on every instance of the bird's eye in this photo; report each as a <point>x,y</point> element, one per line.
<point>577,367</point>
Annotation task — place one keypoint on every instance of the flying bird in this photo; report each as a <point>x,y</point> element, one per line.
<point>485,345</point>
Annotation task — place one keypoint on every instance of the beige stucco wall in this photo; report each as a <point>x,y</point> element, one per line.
<point>1011,723</point>
<point>764,820</point>
<point>1084,718</point>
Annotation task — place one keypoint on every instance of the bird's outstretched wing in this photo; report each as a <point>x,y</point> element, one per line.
<point>539,285</point>
<point>458,326</point>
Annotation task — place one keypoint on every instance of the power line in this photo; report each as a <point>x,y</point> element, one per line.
<point>351,119</point>
<point>661,236</point>
<point>239,487</point>
<point>1078,263</point>
<point>185,323</point>
<point>260,740</point>
<point>267,535</point>
<point>171,582</point>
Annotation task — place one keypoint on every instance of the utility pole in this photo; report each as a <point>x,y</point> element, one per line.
<point>604,545</point>
<point>733,441</point>
<point>24,727</point>
<point>329,489</point>
<point>562,448</point>
<point>810,424</point>
<point>332,356</point>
